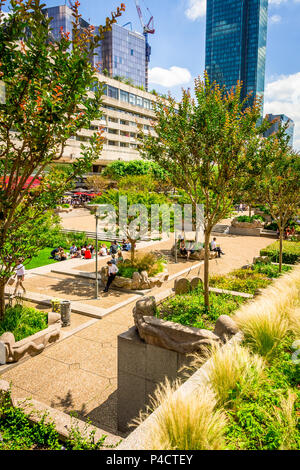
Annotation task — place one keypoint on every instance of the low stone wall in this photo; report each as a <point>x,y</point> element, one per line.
<point>12,350</point>
<point>251,229</point>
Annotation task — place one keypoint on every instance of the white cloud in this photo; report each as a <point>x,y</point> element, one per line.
<point>169,77</point>
<point>282,96</point>
<point>275,19</point>
<point>277,2</point>
<point>196,9</point>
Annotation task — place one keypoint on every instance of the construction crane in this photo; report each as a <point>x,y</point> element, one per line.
<point>148,28</point>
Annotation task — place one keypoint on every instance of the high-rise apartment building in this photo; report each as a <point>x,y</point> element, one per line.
<point>122,52</point>
<point>236,36</point>
<point>281,120</point>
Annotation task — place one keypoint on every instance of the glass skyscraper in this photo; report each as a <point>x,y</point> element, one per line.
<point>124,54</point>
<point>236,36</point>
<point>281,119</point>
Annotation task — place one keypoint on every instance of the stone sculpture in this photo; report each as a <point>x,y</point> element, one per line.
<point>176,337</point>
<point>12,351</point>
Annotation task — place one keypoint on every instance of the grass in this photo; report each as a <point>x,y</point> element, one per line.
<point>291,252</point>
<point>253,386</point>
<point>23,321</point>
<point>43,258</point>
<point>189,309</point>
<point>185,424</point>
<point>249,280</point>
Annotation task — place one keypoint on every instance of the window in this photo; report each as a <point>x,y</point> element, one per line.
<point>131,52</point>
<point>132,99</point>
<point>124,96</point>
<point>146,104</point>
<point>110,119</point>
<point>139,101</point>
<point>113,92</point>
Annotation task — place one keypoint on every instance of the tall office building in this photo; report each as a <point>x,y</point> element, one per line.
<point>236,36</point>
<point>123,54</point>
<point>281,119</point>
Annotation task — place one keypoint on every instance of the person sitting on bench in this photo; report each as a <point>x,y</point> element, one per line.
<point>214,247</point>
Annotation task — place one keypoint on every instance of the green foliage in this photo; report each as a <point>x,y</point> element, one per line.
<point>291,252</point>
<point>23,321</point>
<point>42,259</point>
<point>137,183</point>
<point>189,309</point>
<point>257,420</point>
<point>148,262</point>
<point>17,433</point>
<point>119,169</point>
<point>270,270</point>
<point>246,218</point>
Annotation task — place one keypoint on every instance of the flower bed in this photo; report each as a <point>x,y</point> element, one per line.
<point>291,252</point>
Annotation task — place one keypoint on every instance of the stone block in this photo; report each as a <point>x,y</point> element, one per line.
<point>195,282</point>
<point>131,399</point>
<point>131,353</point>
<point>182,286</point>
<point>160,363</point>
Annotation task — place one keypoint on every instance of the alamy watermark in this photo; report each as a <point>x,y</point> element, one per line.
<point>137,221</point>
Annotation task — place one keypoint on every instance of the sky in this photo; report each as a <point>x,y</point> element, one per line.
<point>178,47</point>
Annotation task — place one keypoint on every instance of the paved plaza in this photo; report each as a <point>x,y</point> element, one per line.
<point>79,374</point>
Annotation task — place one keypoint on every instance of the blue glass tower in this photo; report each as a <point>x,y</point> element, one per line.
<point>281,120</point>
<point>236,37</point>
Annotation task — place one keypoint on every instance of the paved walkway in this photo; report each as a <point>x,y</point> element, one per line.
<point>80,373</point>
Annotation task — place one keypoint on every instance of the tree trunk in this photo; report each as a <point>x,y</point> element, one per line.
<point>250,211</point>
<point>280,249</point>
<point>2,299</point>
<point>206,268</point>
<point>132,252</point>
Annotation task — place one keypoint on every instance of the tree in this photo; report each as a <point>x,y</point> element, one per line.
<point>207,146</point>
<point>279,184</point>
<point>98,183</point>
<point>48,100</point>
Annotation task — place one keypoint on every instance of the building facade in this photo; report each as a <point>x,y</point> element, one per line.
<point>281,120</point>
<point>122,52</point>
<point>124,109</point>
<point>236,36</point>
<point>124,55</point>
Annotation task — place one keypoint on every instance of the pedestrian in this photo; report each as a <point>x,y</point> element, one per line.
<point>112,272</point>
<point>20,273</point>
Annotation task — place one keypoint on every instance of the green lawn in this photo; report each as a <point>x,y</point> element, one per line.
<point>41,260</point>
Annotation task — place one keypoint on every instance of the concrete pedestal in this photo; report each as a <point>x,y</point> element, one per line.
<point>141,367</point>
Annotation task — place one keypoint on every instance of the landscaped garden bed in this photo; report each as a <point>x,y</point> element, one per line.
<point>189,309</point>
<point>245,225</point>
<point>26,331</point>
<point>291,252</point>
<point>141,273</point>
<point>249,280</point>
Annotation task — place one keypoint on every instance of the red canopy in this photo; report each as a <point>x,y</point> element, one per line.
<point>31,181</point>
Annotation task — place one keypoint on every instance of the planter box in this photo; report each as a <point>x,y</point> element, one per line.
<point>252,229</point>
<point>14,351</point>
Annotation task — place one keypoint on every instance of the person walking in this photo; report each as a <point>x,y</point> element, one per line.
<point>20,273</point>
<point>112,272</point>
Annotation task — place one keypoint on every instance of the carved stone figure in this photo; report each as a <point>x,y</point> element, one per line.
<point>139,281</point>
<point>167,334</point>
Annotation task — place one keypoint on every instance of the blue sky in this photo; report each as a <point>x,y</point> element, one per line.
<point>178,47</point>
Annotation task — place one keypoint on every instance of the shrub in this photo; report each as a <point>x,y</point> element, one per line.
<point>248,284</point>
<point>23,321</point>
<point>246,218</point>
<point>148,262</point>
<point>186,422</point>
<point>119,169</point>
<point>291,252</point>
